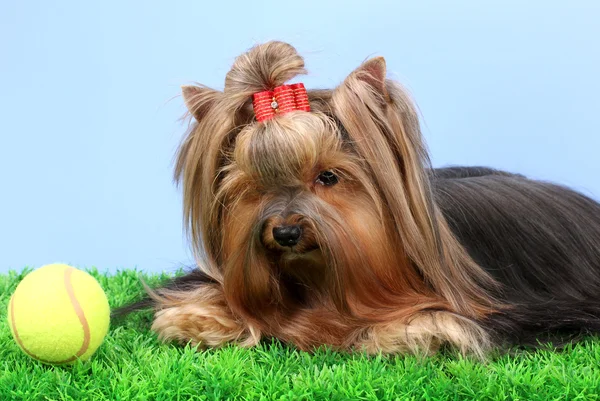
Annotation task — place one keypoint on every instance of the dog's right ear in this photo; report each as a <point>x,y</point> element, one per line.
<point>199,100</point>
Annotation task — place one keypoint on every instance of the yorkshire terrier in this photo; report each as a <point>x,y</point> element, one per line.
<point>317,219</point>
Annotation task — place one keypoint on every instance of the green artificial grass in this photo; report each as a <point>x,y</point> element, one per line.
<point>133,365</point>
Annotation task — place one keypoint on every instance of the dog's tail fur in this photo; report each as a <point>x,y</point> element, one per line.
<point>554,321</point>
<point>189,281</point>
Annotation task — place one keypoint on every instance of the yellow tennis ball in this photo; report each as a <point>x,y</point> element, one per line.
<point>59,314</point>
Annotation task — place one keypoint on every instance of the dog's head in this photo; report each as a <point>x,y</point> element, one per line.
<point>327,205</point>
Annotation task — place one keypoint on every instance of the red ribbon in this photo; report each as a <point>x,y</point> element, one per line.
<point>281,100</point>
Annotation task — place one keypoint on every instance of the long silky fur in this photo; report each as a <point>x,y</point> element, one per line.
<point>540,240</point>
<point>398,257</point>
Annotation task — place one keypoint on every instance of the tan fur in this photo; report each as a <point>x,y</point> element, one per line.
<point>425,333</point>
<point>201,318</point>
<point>377,266</point>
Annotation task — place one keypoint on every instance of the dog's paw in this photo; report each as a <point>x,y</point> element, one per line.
<point>425,333</point>
<point>202,326</point>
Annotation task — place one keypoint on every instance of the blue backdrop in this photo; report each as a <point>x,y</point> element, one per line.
<point>89,102</point>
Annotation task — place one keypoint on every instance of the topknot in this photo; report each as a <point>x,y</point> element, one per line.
<point>263,67</point>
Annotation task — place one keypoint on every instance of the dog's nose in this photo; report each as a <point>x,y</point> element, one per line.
<point>287,235</point>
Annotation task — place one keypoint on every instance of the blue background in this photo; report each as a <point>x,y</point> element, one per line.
<point>89,102</point>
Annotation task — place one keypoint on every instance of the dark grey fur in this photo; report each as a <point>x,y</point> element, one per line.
<point>541,240</point>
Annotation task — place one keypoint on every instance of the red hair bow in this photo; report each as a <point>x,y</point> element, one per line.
<point>281,100</point>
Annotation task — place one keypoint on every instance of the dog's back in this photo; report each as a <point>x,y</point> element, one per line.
<point>541,240</point>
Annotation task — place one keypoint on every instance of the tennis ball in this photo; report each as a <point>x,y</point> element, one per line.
<point>59,314</point>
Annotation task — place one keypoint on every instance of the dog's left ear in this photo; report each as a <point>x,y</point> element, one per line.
<point>373,72</point>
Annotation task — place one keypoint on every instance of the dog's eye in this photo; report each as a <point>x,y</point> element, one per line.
<point>327,178</point>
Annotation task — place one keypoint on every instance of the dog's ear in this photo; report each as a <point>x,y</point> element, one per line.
<point>199,100</point>
<point>373,73</point>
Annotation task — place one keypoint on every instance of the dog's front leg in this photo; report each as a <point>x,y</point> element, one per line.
<point>424,333</point>
<point>200,317</point>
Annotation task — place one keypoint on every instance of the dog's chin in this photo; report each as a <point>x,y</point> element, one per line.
<point>305,267</point>
<point>312,254</point>
<point>303,250</point>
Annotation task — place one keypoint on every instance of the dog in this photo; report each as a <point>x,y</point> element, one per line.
<point>317,219</point>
